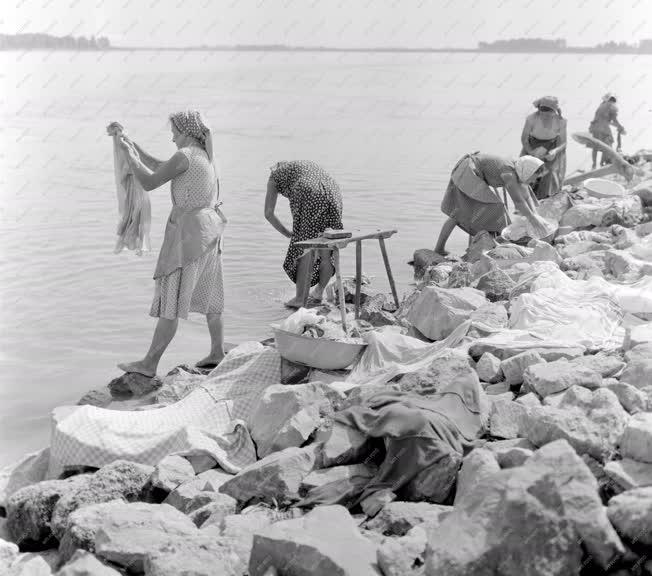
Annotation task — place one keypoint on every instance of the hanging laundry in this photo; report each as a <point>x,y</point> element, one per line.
<point>134,206</point>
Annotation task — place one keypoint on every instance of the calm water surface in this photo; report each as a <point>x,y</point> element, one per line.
<point>388,127</point>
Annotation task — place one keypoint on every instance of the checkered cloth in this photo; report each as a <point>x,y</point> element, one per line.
<point>213,420</point>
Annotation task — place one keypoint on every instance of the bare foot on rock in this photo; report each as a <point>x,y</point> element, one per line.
<point>294,303</point>
<point>211,361</point>
<point>139,367</point>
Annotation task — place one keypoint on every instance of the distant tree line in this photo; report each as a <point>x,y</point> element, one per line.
<point>524,44</point>
<point>560,45</point>
<point>45,41</point>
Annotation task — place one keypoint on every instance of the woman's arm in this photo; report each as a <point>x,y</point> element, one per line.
<point>523,203</point>
<point>563,139</point>
<point>147,159</point>
<point>270,206</point>
<point>151,179</point>
<point>613,119</point>
<point>525,136</point>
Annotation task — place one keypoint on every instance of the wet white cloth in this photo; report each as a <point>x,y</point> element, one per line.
<point>567,311</point>
<point>134,205</point>
<point>212,420</point>
<point>390,353</point>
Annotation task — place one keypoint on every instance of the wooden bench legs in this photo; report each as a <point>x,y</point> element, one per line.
<point>388,269</point>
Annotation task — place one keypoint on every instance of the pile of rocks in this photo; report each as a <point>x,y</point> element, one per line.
<point>560,483</point>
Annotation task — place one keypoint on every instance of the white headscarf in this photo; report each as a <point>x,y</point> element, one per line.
<point>525,166</point>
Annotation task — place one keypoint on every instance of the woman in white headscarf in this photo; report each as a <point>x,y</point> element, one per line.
<point>472,203</point>
<point>188,275</point>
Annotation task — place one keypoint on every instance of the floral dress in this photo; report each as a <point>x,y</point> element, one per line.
<point>315,203</point>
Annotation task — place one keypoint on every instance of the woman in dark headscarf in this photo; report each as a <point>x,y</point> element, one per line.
<point>316,204</point>
<point>544,137</point>
<point>188,273</point>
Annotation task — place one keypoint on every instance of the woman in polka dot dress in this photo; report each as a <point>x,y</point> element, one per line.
<point>188,273</point>
<point>315,204</point>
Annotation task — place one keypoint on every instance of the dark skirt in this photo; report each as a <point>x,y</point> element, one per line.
<point>470,214</point>
<point>312,213</point>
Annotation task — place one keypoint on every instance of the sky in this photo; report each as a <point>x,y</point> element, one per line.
<point>339,23</point>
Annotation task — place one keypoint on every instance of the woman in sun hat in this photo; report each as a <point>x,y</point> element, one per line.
<point>544,137</point>
<point>188,275</point>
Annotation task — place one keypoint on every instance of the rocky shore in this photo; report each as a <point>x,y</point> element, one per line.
<point>559,341</point>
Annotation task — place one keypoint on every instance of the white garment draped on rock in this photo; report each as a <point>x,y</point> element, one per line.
<point>134,205</point>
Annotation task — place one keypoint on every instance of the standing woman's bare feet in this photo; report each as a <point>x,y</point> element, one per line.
<point>295,302</point>
<point>138,367</point>
<point>211,361</point>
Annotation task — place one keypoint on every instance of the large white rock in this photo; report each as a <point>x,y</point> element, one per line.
<point>477,468</point>
<point>30,469</point>
<point>286,416</point>
<point>591,213</point>
<point>8,553</point>
<point>451,366</point>
<point>557,494</point>
<point>30,565</point>
<point>438,311</point>
<point>632,399</point>
<point>635,335</point>
<point>398,518</point>
<point>488,368</point>
<point>275,479</point>
<point>120,479</point>
<point>29,510</point>
<point>508,419</point>
<point>403,556</point>
<point>84,563</point>
<point>638,371</point>
<point>592,422</point>
<point>170,472</point>
<point>631,514</point>
<point>604,364</point>
<point>514,366</point>
<point>324,542</point>
<point>629,473</point>
<point>83,525</point>
<point>349,479</point>
<point>132,530</point>
<point>558,376</point>
<point>636,441</point>
<point>342,444</point>
<point>199,554</point>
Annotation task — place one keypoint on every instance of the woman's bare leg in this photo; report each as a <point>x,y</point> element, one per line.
<point>216,330</point>
<point>446,231</point>
<point>304,276</point>
<point>326,271</point>
<point>163,334</point>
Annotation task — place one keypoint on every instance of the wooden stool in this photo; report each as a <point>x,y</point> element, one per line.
<point>335,245</point>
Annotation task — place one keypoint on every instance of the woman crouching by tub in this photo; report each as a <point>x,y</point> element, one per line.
<point>188,275</point>
<point>471,203</point>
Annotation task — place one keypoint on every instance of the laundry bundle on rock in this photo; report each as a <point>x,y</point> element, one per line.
<point>134,206</point>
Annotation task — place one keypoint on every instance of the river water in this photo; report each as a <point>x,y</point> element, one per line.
<point>389,127</point>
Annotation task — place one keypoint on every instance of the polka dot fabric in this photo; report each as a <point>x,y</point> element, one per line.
<point>315,203</point>
<point>199,285</point>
